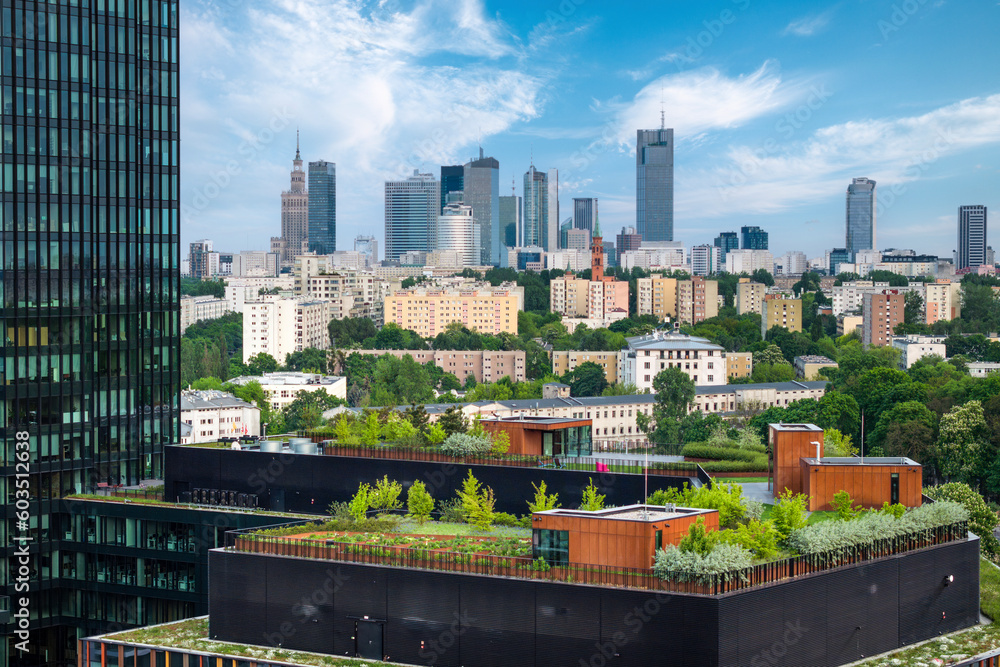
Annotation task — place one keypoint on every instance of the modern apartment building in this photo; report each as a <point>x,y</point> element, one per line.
<point>198,308</point>
<point>748,261</point>
<point>706,260</point>
<point>657,296</point>
<point>284,387</point>
<point>780,311</point>
<point>942,301</point>
<point>697,300</point>
<point>914,348</point>
<point>564,361</point>
<point>750,297</point>
<point>212,415</point>
<point>654,188</point>
<point>429,311</point>
<point>284,326</point>
<point>881,312</point>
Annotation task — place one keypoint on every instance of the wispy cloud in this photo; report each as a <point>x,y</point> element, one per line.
<point>807,25</point>
<point>894,151</point>
<point>366,85</point>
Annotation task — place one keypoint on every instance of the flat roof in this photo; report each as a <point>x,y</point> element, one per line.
<point>643,513</point>
<point>901,461</point>
<point>796,427</point>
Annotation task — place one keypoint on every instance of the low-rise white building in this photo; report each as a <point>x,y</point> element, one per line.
<point>212,415</point>
<point>980,369</point>
<point>912,348</point>
<point>645,356</point>
<point>198,308</point>
<point>284,387</point>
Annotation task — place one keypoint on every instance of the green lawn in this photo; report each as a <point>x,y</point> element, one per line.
<point>742,480</point>
<point>409,527</point>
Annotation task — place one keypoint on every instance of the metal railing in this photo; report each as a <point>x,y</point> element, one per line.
<point>252,541</point>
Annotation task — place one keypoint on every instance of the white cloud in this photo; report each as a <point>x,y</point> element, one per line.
<point>807,25</point>
<point>377,90</point>
<point>775,177</point>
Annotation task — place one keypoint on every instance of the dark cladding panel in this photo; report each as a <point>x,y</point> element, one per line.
<point>761,618</point>
<point>300,604</point>
<point>855,628</point>
<point>802,638</point>
<point>425,624</point>
<point>500,626</point>
<point>567,623</point>
<point>918,614</point>
<point>361,593</point>
<point>238,599</point>
<point>927,606</point>
<point>641,627</point>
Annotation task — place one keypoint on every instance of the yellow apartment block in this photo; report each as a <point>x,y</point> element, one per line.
<point>567,360</point>
<point>739,364</point>
<point>781,312</point>
<point>429,312</point>
<point>657,296</point>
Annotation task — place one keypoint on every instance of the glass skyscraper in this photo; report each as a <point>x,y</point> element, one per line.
<point>322,207</point>
<point>584,212</point>
<point>971,237</point>
<point>452,180</point>
<point>91,272</point>
<point>860,216</point>
<point>754,238</point>
<point>727,241</point>
<point>510,221</point>
<point>411,212</point>
<point>536,207</point>
<point>481,181</point>
<point>654,186</point>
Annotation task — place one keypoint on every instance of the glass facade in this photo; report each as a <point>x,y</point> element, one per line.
<point>452,180</point>
<point>411,212</point>
<point>552,546</point>
<point>860,216</point>
<point>482,192</point>
<point>572,441</point>
<point>322,207</point>
<point>536,207</point>
<point>754,238</point>
<point>89,237</point>
<point>727,241</point>
<point>654,187</point>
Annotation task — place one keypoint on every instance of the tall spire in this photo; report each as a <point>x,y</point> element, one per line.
<point>663,111</point>
<point>298,156</point>
<point>597,225</point>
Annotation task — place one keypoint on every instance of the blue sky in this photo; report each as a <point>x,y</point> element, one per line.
<point>775,107</point>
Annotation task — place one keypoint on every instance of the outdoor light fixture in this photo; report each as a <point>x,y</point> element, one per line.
<point>949,579</point>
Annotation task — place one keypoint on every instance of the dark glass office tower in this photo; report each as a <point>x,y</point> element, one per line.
<point>654,184</point>
<point>322,207</point>
<point>727,241</point>
<point>860,216</point>
<point>91,271</point>
<point>754,238</point>
<point>452,180</point>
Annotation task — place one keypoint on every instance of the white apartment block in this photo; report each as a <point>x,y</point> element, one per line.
<point>942,301</point>
<point>645,356</point>
<point>198,308</point>
<point>657,255</point>
<point>284,387</point>
<point>255,263</point>
<point>283,326</point>
<point>575,260</point>
<point>913,348</point>
<point>981,369</point>
<point>217,414</point>
<point>850,297</point>
<point>241,290</point>
<point>791,263</point>
<point>748,261</point>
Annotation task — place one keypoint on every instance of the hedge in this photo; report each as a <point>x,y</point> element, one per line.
<point>700,451</point>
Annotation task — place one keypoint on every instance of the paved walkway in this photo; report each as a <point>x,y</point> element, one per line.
<point>756,491</point>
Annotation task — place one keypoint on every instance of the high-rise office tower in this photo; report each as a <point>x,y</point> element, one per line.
<point>452,180</point>
<point>860,216</point>
<point>322,207</point>
<point>482,193</point>
<point>369,247</point>
<point>584,211</point>
<point>294,212</point>
<point>457,230</point>
<point>754,238</point>
<point>971,237</point>
<point>654,186</point>
<point>411,211</point>
<point>550,231</point>
<point>510,220</point>
<point>727,241</point>
<point>91,256</point>
<point>628,240</point>
<point>536,207</point>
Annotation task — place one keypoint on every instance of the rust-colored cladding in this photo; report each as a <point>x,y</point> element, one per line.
<point>526,436</point>
<point>790,443</point>
<point>868,485</point>
<point>619,542</point>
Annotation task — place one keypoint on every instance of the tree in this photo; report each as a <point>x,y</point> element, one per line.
<point>762,276</point>
<point>909,423</point>
<point>980,307</point>
<point>587,379</point>
<point>306,411</point>
<point>453,421</point>
<point>913,307</point>
<point>261,363</point>
<point>394,337</point>
<point>782,372</point>
<point>674,393</point>
<point>198,287</point>
<point>592,500</point>
<point>962,441</point>
<point>350,331</point>
<point>400,381</point>
<point>385,496</point>
<point>477,503</point>
<point>253,392</point>
<point>309,359</point>
<point>542,501</point>
<point>769,355</point>
<point>419,502</point>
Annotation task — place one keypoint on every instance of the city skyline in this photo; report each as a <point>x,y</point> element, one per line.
<point>769,131</point>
